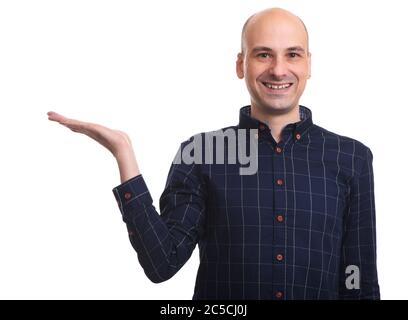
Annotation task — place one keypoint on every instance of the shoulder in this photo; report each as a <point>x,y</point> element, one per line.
<point>198,147</point>
<point>343,143</point>
<point>201,136</point>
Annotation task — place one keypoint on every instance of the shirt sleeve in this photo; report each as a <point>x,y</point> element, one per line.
<point>358,269</point>
<point>164,242</point>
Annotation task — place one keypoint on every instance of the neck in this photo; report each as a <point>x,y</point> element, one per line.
<point>276,121</point>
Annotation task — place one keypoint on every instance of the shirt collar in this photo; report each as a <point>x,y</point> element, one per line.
<point>298,128</point>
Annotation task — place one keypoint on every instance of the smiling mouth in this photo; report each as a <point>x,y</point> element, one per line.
<point>277,86</point>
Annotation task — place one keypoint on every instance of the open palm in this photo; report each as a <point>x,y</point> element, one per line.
<point>113,140</point>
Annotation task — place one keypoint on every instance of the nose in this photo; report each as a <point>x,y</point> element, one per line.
<point>278,68</point>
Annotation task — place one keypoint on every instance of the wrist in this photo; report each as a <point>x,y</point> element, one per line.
<point>123,152</point>
<point>128,167</point>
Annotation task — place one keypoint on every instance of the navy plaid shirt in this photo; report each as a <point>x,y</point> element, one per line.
<point>289,231</point>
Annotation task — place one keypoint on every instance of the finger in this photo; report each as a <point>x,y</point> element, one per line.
<point>74,125</point>
<point>53,116</point>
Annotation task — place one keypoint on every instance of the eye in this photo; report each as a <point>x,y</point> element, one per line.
<point>294,55</point>
<point>264,55</point>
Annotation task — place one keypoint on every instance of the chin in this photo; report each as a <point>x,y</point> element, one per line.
<point>277,107</point>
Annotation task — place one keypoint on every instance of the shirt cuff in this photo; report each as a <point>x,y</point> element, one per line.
<point>132,195</point>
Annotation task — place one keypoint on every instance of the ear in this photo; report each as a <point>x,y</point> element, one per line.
<point>240,65</point>
<point>309,56</point>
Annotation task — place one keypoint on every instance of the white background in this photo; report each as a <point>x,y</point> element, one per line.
<point>163,71</point>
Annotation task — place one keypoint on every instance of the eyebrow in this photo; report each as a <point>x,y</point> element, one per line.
<point>296,48</point>
<point>291,49</point>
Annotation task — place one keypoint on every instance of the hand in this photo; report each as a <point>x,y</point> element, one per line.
<point>115,141</point>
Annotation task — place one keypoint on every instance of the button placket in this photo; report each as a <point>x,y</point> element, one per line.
<point>279,203</point>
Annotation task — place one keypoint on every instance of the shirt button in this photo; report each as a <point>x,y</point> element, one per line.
<point>279,218</point>
<point>256,136</point>
<point>128,195</point>
<point>278,149</point>
<point>298,136</point>
<point>279,295</point>
<point>279,257</point>
<point>279,182</point>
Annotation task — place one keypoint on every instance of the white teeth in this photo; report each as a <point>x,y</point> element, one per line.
<point>277,87</point>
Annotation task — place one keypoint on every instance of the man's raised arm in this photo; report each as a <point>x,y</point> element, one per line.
<point>163,242</point>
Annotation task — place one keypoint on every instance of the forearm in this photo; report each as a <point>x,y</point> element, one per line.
<point>163,243</point>
<point>161,246</point>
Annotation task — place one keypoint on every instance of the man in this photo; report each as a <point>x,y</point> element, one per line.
<point>302,226</point>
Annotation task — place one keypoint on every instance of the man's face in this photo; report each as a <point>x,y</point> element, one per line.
<point>275,63</point>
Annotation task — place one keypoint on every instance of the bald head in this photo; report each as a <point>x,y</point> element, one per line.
<point>275,16</point>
